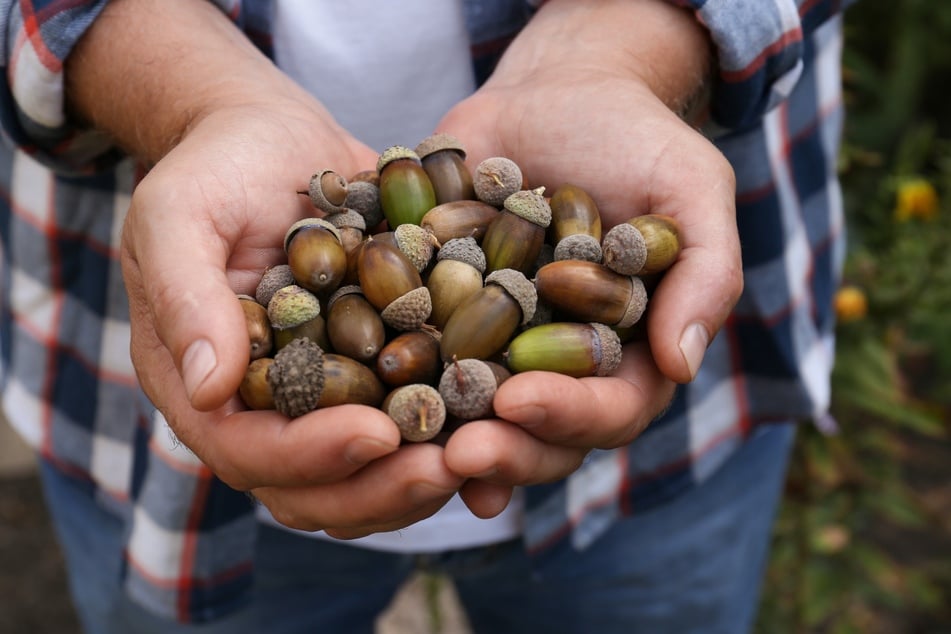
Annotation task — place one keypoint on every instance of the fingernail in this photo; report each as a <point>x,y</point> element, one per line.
<point>197,364</point>
<point>362,450</point>
<point>693,345</point>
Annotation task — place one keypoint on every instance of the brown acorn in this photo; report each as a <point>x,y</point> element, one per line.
<point>591,292</point>
<point>260,334</point>
<point>410,357</point>
<point>443,158</point>
<point>572,348</point>
<point>347,381</point>
<point>484,322</point>
<point>254,389</point>
<point>514,239</point>
<point>459,219</point>
<point>354,327</point>
<point>418,411</point>
<point>406,193</point>
<point>392,285</point>
<point>315,254</point>
<point>573,211</point>
<point>460,264</point>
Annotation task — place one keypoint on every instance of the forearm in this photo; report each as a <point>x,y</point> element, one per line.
<point>145,72</point>
<point>650,40</point>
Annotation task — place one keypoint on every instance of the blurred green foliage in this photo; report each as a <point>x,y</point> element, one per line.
<point>863,541</point>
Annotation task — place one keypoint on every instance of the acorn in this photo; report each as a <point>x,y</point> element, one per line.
<point>366,176</point>
<point>328,191</point>
<point>572,348</point>
<point>495,179</point>
<point>418,411</point>
<point>347,381</point>
<point>260,334</point>
<point>443,157</point>
<point>417,243</point>
<point>315,254</point>
<point>587,291</point>
<point>296,377</point>
<point>460,264</point>
<point>272,279</point>
<point>644,245</point>
<point>254,389</point>
<point>468,386</point>
<point>294,312</point>
<point>410,357</point>
<point>351,228</point>
<point>392,285</point>
<point>513,240</point>
<point>459,219</point>
<point>363,197</point>
<point>406,193</point>
<point>484,322</point>
<point>354,327</point>
<point>575,229</point>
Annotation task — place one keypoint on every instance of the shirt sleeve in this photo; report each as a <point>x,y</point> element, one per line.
<point>36,37</point>
<point>759,51</point>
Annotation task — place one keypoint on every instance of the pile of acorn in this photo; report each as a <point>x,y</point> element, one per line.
<point>423,285</point>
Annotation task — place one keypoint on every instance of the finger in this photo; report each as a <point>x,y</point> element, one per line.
<point>601,412</point>
<point>252,449</point>
<point>413,479</point>
<point>502,453</point>
<point>485,499</point>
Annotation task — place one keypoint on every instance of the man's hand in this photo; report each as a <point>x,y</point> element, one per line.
<point>592,94</point>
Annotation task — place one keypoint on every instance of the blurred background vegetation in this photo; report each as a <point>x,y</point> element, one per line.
<point>863,542</point>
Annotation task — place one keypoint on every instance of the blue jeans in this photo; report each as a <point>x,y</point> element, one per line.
<point>692,565</point>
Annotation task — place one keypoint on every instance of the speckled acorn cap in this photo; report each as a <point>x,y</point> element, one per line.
<point>578,246</point>
<point>363,197</point>
<point>417,243</point>
<point>609,349</point>
<point>347,218</point>
<point>624,249</point>
<point>393,153</point>
<point>408,311</point>
<point>437,142</point>
<point>464,250</point>
<point>531,205</point>
<point>467,387</point>
<point>273,278</point>
<point>496,178</point>
<point>308,222</point>
<point>315,190</point>
<point>635,306</point>
<point>519,287</point>
<point>292,306</point>
<point>296,377</point>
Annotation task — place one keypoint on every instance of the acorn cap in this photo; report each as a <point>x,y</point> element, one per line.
<point>496,178</point>
<point>409,311</point>
<point>418,411</point>
<point>296,377</point>
<point>531,205</point>
<point>635,306</point>
<point>464,250</point>
<point>308,222</point>
<point>467,387</point>
<point>292,306</point>
<point>624,249</point>
<point>344,290</point>
<point>578,246</point>
<point>347,218</point>
<point>363,197</point>
<point>609,348</point>
<point>318,195</point>
<point>439,141</point>
<point>416,243</point>
<point>393,153</point>
<point>519,287</point>
<point>273,278</point>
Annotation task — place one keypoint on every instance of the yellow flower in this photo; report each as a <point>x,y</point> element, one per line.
<point>916,198</point>
<point>851,304</point>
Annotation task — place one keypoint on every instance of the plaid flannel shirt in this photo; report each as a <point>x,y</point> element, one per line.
<point>69,387</point>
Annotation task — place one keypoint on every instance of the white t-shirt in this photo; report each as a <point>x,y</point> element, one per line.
<point>389,79</point>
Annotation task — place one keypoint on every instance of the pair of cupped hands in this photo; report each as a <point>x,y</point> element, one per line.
<point>210,217</point>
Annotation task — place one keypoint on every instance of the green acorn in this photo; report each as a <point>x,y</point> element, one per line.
<point>571,348</point>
